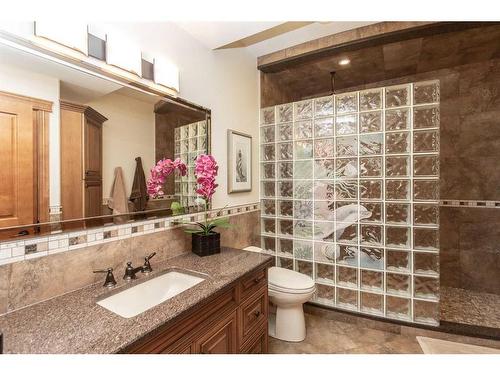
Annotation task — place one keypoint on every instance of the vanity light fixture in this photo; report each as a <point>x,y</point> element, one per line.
<point>96,42</point>
<point>167,85</point>
<point>123,54</point>
<point>72,35</point>
<point>166,74</point>
<point>147,63</point>
<point>344,61</point>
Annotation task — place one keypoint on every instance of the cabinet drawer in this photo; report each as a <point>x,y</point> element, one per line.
<point>253,282</point>
<point>258,343</point>
<point>252,314</point>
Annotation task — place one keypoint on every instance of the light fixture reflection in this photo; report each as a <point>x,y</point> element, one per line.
<point>344,62</point>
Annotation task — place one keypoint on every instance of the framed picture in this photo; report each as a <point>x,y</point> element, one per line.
<point>239,162</point>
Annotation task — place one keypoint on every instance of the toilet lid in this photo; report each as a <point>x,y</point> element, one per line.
<point>289,280</point>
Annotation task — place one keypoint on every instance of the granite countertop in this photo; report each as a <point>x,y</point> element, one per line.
<point>74,323</point>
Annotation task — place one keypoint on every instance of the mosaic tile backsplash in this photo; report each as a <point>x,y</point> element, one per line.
<point>350,197</point>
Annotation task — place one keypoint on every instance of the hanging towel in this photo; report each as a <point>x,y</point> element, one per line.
<point>139,195</point>
<point>118,197</point>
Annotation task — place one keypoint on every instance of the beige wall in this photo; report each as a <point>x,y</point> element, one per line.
<point>128,133</point>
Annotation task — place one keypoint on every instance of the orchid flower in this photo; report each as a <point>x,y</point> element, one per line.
<point>159,174</point>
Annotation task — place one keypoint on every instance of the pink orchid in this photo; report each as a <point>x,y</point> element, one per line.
<point>206,170</point>
<point>159,174</point>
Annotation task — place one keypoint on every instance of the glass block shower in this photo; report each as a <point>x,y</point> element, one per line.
<point>189,141</point>
<point>350,196</point>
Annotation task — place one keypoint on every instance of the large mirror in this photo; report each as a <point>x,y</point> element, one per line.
<point>77,149</point>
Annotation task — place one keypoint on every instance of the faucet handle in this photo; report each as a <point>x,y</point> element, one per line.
<point>110,278</point>
<point>146,268</point>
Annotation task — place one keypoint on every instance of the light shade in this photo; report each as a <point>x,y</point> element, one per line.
<point>123,54</point>
<point>166,74</point>
<point>72,35</point>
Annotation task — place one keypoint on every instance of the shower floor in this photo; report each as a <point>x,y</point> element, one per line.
<point>469,307</point>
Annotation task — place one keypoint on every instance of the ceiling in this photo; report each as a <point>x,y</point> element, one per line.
<point>215,35</point>
<point>382,62</point>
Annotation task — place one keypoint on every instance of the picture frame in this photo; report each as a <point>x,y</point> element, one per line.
<point>239,162</point>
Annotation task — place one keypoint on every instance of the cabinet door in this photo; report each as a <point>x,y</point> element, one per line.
<point>258,344</point>
<point>93,198</point>
<point>93,149</point>
<point>252,314</point>
<point>16,162</point>
<point>220,339</point>
<point>186,348</point>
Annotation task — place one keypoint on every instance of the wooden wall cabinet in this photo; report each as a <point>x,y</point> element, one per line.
<point>81,161</point>
<point>232,321</point>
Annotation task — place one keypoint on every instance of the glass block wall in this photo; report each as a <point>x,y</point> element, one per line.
<point>190,141</point>
<point>349,196</point>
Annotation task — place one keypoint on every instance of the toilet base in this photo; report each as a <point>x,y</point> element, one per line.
<point>288,324</point>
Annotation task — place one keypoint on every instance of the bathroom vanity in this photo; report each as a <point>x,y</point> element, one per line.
<point>232,321</point>
<point>225,313</point>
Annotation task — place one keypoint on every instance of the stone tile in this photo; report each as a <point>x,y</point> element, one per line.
<point>480,271</point>
<point>36,280</point>
<point>245,231</point>
<point>166,244</point>
<point>449,226</point>
<point>480,230</point>
<point>5,271</point>
<point>473,178</point>
<point>449,265</point>
<point>469,307</point>
<point>78,269</point>
<point>326,336</point>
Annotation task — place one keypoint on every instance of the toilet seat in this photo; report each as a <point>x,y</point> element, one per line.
<point>290,291</point>
<point>288,281</point>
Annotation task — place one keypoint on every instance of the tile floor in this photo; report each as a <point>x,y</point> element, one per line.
<point>326,336</point>
<point>328,332</point>
<point>468,307</point>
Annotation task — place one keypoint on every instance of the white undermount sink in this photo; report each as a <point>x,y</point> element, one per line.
<point>143,296</point>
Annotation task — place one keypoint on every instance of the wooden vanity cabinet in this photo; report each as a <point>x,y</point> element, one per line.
<point>232,321</point>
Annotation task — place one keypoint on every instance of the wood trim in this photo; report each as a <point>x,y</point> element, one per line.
<point>363,37</point>
<point>272,32</point>
<point>41,127</point>
<point>84,109</point>
<point>37,104</point>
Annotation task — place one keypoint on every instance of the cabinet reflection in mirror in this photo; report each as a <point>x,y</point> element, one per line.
<point>76,146</point>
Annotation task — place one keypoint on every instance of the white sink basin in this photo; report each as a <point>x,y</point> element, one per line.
<point>143,296</point>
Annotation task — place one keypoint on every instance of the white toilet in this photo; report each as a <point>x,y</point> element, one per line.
<point>288,291</point>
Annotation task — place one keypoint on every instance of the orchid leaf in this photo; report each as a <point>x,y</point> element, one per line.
<point>191,231</point>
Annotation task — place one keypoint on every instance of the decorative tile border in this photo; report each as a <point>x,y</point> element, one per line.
<point>469,204</point>
<point>15,251</point>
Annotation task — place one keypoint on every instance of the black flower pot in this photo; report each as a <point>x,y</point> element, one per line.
<point>203,245</point>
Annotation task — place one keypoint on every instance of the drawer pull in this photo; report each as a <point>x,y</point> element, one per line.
<point>256,313</point>
<point>257,279</point>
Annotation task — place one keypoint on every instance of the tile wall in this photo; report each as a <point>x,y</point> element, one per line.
<point>350,197</point>
<point>190,141</point>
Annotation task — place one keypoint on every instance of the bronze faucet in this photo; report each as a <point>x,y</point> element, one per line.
<point>110,279</point>
<point>131,271</point>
